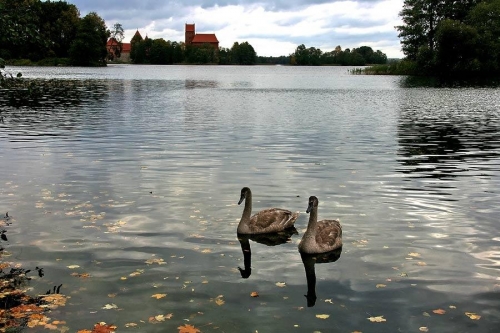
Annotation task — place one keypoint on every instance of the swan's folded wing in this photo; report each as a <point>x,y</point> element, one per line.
<point>329,233</point>
<point>273,219</point>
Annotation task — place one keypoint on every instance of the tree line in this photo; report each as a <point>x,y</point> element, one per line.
<point>161,52</point>
<point>451,38</point>
<point>356,57</point>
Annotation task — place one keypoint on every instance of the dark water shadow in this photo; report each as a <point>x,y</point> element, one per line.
<point>309,260</point>
<point>435,82</point>
<point>271,239</point>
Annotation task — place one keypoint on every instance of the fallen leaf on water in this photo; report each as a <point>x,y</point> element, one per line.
<point>281,284</point>
<point>414,254</point>
<point>254,294</point>
<point>473,315</point>
<point>423,329</point>
<point>421,263</point>
<point>380,285</point>
<point>322,316</point>
<point>188,329</point>
<point>328,301</point>
<point>453,307</point>
<point>439,311</point>
<point>81,275</point>
<point>206,251</point>
<point>73,266</point>
<point>155,261</point>
<point>158,296</point>
<point>110,306</point>
<point>426,314</point>
<point>130,325</point>
<point>219,301</point>
<point>377,319</point>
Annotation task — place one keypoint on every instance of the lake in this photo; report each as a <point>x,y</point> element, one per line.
<point>127,196</point>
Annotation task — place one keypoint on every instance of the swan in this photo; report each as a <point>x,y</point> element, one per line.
<point>320,236</point>
<point>266,221</point>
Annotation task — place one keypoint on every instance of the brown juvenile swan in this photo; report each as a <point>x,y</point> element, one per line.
<point>320,236</point>
<point>266,221</point>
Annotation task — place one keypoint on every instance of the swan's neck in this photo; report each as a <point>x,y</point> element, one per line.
<point>313,219</point>
<point>247,211</point>
<point>245,217</point>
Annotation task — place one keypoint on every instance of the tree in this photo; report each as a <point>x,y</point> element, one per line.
<point>58,23</point>
<point>243,54</point>
<point>456,49</point>
<point>421,18</point>
<point>89,46</point>
<point>116,38</point>
<point>19,32</point>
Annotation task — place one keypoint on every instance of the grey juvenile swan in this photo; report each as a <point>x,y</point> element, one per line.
<point>320,236</point>
<point>266,221</point>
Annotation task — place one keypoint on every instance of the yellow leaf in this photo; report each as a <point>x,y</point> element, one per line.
<point>130,325</point>
<point>380,285</point>
<point>473,315</point>
<point>328,301</point>
<point>421,263</point>
<point>110,306</point>
<point>158,296</point>
<point>423,329</point>
<point>206,251</point>
<point>439,311</point>
<point>281,284</point>
<point>414,254</point>
<point>219,301</point>
<point>73,266</point>
<point>378,319</point>
<point>322,316</point>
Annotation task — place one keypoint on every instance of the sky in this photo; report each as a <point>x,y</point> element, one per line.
<point>273,28</point>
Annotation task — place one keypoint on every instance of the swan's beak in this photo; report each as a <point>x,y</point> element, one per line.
<point>309,208</point>
<point>241,199</point>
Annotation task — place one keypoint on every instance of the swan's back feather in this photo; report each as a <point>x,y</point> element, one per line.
<point>271,220</point>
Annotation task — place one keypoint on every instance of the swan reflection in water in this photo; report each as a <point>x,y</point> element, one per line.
<point>309,260</point>
<point>271,239</point>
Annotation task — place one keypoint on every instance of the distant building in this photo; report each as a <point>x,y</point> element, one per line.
<point>126,48</point>
<point>192,38</point>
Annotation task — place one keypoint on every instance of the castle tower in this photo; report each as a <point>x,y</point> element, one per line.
<point>189,33</point>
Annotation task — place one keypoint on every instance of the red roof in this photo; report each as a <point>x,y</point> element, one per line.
<point>126,47</point>
<point>189,27</point>
<point>204,38</point>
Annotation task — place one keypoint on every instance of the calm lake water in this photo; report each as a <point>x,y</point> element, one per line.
<point>137,185</point>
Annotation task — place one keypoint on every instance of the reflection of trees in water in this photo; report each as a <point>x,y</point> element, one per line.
<point>439,143</point>
<point>309,260</point>
<point>271,239</point>
<point>47,107</point>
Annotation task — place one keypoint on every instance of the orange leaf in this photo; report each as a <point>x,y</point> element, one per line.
<point>103,328</point>
<point>254,294</point>
<point>439,311</point>
<point>188,329</point>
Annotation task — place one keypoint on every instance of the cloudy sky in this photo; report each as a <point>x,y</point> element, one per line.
<point>273,28</point>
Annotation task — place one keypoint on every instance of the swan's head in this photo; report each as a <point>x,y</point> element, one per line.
<point>313,202</point>
<point>244,192</point>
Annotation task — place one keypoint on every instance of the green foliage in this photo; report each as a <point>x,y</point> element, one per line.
<point>452,39</point>
<point>357,57</point>
<point>243,54</point>
<point>89,46</point>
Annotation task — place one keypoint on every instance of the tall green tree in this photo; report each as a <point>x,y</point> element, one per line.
<point>58,23</point>
<point>243,54</point>
<point>19,28</point>
<point>421,18</point>
<point>89,46</point>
